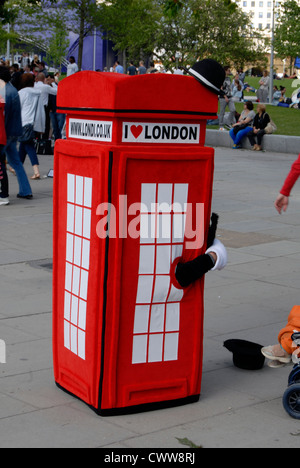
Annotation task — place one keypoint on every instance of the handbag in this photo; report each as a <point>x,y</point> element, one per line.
<point>271,127</point>
<point>27,133</point>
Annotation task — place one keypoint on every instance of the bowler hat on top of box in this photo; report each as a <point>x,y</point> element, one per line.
<point>209,73</point>
<point>246,355</point>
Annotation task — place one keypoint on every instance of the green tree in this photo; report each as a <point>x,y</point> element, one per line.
<point>287,32</point>
<point>194,28</point>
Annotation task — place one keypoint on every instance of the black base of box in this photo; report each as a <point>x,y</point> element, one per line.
<point>138,408</point>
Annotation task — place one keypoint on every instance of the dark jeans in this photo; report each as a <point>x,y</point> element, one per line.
<point>27,147</point>
<point>3,174</point>
<point>58,121</point>
<point>258,135</point>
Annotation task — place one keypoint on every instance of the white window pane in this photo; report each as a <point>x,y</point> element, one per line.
<point>163,259</point>
<point>162,284</point>
<point>139,353</point>
<point>82,315</point>
<point>155,348</point>
<point>77,251</point>
<point>175,295</point>
<point>173,316</point>
<point>180,196</point>
<point>78,221</point>
<point>141,319</point>
<point>67,311</point>
<point>84,284</point>
<point>164,198</point>
<point>147,254</point>
<point>85,254</point>
<point>178,227</point>
<point>148,198</point>
<point>67,341</point>
<point>73,339</point>
<point>164,229</point>
<point>76,279</point>
<point>69,269</point>
<point>157,318</point>
<point>88,184</point>
<point>171,347</point>
<point>74,310</point>
<point>71,188</point>
<point>145,286</point>
<point>70,218</point>
<point>147,229</point>
<point>86,223</point>
<point>79,191</point>
<point>81,344</point>
<point>70,248</point>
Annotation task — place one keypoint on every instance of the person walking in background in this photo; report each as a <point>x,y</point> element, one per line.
<point>226,100</point>
<point>13,128</point>
<point>29,99</point>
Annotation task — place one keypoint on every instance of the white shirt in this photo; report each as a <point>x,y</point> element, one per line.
<point>45,90</point>
<point>29,101</point>
<point>72,68</point>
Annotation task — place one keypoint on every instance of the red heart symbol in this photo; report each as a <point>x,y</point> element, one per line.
<point>136,131</point>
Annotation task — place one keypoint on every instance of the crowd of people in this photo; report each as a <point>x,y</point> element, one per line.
<point>27,121</point>
<point>250,124</point>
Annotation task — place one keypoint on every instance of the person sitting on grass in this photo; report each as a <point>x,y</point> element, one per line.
<point>243,126</point>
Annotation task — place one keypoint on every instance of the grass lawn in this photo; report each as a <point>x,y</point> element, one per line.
<point>286,119</point>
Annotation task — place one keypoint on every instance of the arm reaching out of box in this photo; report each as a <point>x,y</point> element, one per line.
<point>215,258</point>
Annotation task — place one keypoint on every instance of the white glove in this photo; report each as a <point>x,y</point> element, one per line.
<point>219,249</point>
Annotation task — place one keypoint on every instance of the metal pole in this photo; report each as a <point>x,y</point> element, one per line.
<point>8,44</point>
<point>272,55</point>
<point>95,47</point>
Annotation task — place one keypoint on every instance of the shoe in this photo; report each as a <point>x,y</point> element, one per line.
<point>222,129</point>
<point>4,201</point>
<point>237,147</point>
<point>258,148</point>
<point>26,197</point>
<point>276,364</point>
<point>277,353</point>
<point>35,177</point>
<point>228,127</point>
<point>254,148</point>
<point>234,147</point>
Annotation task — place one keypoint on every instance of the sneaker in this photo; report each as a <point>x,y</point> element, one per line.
<point>277,353</point>
<point>222,129</point>
<point>237,147</point>
<point>4,201</point>
<point>228,127</point>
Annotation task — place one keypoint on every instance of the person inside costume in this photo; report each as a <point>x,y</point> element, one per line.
<point>215,258</point>
<point>282,353</point>
<point>282,201</point>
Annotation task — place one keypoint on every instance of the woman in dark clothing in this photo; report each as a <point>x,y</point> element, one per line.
<point>260,122</point>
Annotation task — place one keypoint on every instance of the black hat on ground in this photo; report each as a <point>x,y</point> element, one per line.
<point>209,73</point>
<point>246,355</point>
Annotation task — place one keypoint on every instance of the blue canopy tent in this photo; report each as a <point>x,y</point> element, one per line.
<point>297,62</point>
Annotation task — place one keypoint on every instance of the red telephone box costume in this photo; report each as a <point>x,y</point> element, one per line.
<point>128,184</point>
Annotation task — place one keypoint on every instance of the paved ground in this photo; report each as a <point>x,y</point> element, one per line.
<point>249,300</point>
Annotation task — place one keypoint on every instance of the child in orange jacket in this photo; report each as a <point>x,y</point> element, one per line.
<point>282,353</point>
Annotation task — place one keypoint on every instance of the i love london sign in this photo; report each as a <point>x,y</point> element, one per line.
<point>133,132</point>
<point>160,133</point>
